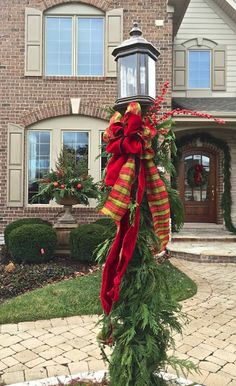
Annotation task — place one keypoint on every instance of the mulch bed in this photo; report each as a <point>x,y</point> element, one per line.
<point>25,277</point>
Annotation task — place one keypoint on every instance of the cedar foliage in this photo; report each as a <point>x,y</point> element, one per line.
<point>141,324</point>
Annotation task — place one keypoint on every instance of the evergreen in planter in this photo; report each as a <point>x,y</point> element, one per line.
<point>70,179</point>
<point>32,243</point>
<point>84,240</point>
<point>23,221</point>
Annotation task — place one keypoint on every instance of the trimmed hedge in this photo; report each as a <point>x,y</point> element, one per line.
<point>22,221</point>
<point>32,243</point>
<point>84,240</point>
<point>106,222</point>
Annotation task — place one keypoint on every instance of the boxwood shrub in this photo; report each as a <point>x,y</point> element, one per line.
<point>20,222</point>
<point>105,221</point>
<point>84,240</point>
<point>32,243</point>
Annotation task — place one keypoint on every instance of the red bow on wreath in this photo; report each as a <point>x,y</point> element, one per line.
<point>198,174</point>
<point>129,140</point>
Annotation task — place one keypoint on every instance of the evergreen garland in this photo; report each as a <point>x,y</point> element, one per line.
<point>226,202</point>
<point>141,324</point>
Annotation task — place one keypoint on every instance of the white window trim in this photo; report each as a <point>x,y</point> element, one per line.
<point>27,165</point>
<point>188,68</point>
<point>100,151</point>
<point>74,17</point>
<point>56,144</point>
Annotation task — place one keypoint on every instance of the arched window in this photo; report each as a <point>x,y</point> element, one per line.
<point>72,39</point>
<point>199,64</point>
<point>45,139</point>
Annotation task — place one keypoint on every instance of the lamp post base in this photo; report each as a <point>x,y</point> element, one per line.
<point>144,100</point>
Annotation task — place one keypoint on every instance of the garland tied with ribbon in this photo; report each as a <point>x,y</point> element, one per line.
<point>197,176</point>
<point>131,172</point>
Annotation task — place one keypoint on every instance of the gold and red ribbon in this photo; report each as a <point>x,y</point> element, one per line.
<point>129,140</point>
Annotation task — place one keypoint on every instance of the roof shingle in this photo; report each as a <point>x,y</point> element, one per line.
<point>205,104</point>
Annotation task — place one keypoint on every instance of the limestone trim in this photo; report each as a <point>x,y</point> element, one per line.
<point>63,108</point>
<point>103,5</point>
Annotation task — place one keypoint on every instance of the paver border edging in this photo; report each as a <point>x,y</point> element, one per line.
<point>204,290</point>
<point>202,258</point>
<point>95,376</point>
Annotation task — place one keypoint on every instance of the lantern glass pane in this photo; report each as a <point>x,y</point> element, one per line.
<point>151,77</point>
<point>128,76</point>
<point>143,77</point>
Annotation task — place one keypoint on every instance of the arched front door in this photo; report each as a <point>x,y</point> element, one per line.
<point>199,198</point>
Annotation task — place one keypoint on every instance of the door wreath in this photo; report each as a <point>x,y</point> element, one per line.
<point>197,176</point>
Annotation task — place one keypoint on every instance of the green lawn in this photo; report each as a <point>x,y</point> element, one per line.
<point>78,296</point>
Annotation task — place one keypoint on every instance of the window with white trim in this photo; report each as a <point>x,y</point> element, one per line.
<point>199,64</point>
<point>72,39</point>
<point>199,69</point>
<point>74,45</point>
<point>38,159</point>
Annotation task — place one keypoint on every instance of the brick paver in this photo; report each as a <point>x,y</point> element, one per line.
<point>211,331</point>
<point>61,346</point>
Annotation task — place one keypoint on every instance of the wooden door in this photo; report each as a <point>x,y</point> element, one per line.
<point>199,201</point>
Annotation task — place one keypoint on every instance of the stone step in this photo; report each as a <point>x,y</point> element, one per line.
<point>208,232</point>
<point>210,251</point>
<point>203,238</point>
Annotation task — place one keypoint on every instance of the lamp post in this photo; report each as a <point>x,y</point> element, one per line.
<point>140,313</point>
<point>136,58</point>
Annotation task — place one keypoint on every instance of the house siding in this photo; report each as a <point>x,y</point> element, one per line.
<point>26,100</point>
<point>204,18</point>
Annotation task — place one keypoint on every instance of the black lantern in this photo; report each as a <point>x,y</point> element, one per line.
<point>136,68</point>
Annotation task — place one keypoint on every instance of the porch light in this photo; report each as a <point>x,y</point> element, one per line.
<point>136,70</point>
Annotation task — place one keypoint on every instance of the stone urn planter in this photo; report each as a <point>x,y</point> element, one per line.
<point>67,217</point>
<point>64,225</point>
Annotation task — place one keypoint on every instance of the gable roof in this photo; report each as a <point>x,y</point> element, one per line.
<point>180,7</point>
<point>229,7</point>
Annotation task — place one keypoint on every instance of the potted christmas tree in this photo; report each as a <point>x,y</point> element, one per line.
<point>69,184</point>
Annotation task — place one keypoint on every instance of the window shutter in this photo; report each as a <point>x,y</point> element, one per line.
<point>219,68</point>
<point>15,165</point>
<point>180,68</point>
<point>33,42</point>
<point>114,37</point>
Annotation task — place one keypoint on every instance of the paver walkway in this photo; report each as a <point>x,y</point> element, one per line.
<point>35,350</point>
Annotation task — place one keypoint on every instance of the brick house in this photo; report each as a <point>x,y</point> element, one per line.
<point>57,74</point>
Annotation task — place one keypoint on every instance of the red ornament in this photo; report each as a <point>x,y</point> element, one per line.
<point>55,184</point>
<point>62,186</point>
<point>79,186</point>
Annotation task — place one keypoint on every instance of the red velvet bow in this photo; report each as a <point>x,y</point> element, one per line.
<point>198,174</point>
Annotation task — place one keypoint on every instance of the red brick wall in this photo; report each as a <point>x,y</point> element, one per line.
<point>24,100</point>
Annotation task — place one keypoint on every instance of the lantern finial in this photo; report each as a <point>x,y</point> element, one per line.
<point>135,31</point>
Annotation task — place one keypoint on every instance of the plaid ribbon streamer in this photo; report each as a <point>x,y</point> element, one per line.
<point>119,199</point>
